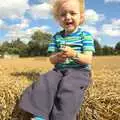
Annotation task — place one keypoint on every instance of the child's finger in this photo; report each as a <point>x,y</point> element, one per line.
<point>61,59</point>
<point>62,48</point>
<point>63,55</point>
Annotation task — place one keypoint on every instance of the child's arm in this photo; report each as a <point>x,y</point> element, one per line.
<point>85,58</point>
<point>57,57</point>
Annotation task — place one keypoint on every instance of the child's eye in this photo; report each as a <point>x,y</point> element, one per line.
<point>73,13</point>
<point>63,14</point>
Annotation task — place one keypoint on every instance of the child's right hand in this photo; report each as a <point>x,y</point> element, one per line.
<point>59,57</point>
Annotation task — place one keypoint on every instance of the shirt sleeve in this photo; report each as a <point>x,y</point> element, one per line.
<point>88,42</point>
<point>52,46</point>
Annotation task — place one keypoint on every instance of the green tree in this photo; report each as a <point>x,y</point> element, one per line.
<point>117,48</point>
<point>39,43</point>
<point>5,46</point>
<point>33,48</point>
<point>1,52</point>
<point>15,47</point>
<point>98,48</point>
<point>19,47</point>
<point>108,50</point>
<point>41,36</point>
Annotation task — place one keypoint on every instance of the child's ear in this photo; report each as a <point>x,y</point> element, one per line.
<point>82,18</point>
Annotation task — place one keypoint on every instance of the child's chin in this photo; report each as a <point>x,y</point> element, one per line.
<point>70,30</point>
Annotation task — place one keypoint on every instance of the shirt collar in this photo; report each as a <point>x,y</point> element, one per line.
<point>70,34</point>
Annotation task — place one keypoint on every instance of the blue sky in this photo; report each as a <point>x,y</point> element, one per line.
<point>20,18</point>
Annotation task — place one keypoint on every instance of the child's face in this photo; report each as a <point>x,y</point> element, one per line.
<point>69,15</point>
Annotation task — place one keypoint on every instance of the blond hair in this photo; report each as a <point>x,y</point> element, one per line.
<point>57,3</point>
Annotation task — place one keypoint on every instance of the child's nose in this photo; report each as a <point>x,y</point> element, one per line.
<point>68,16</point>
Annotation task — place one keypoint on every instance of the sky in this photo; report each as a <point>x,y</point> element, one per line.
<point>21,18</point>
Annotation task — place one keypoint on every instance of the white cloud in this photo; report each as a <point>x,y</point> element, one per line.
<point>13,35</point>
<point>25,36</point>
<point>24,23</point>
<point>16,27</point>
<point>116,22</point>
<point>99,39</point>
<point>3,26</point>
<point>91,16</point>
<point>91,29</point>
<point>95,32</point>
<point>13,8</point>
<point>108,1</point>
<point>1,22</point>
<point>41,11</point>
<point>112,29</point>
<point>45,28</point>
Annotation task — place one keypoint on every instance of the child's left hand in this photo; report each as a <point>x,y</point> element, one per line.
<point>68,51</point>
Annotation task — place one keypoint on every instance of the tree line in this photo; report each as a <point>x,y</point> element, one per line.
<point>106,50</point>
<point>38,45</point>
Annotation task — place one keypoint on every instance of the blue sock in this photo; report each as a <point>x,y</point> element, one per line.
<point>39,118</point>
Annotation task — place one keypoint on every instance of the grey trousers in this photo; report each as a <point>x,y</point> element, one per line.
<point>57,95</point>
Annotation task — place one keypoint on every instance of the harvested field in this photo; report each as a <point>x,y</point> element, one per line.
<point>102,100</point>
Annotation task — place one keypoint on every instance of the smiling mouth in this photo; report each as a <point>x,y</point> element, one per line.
<point>69,23</point>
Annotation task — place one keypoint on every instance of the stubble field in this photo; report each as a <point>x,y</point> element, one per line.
<point>102,100</point>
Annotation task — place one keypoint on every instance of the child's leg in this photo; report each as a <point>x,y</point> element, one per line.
<point>70,95</point>
<point>38,98</point>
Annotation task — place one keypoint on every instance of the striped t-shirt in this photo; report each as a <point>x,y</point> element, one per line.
<point>81,41</point>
